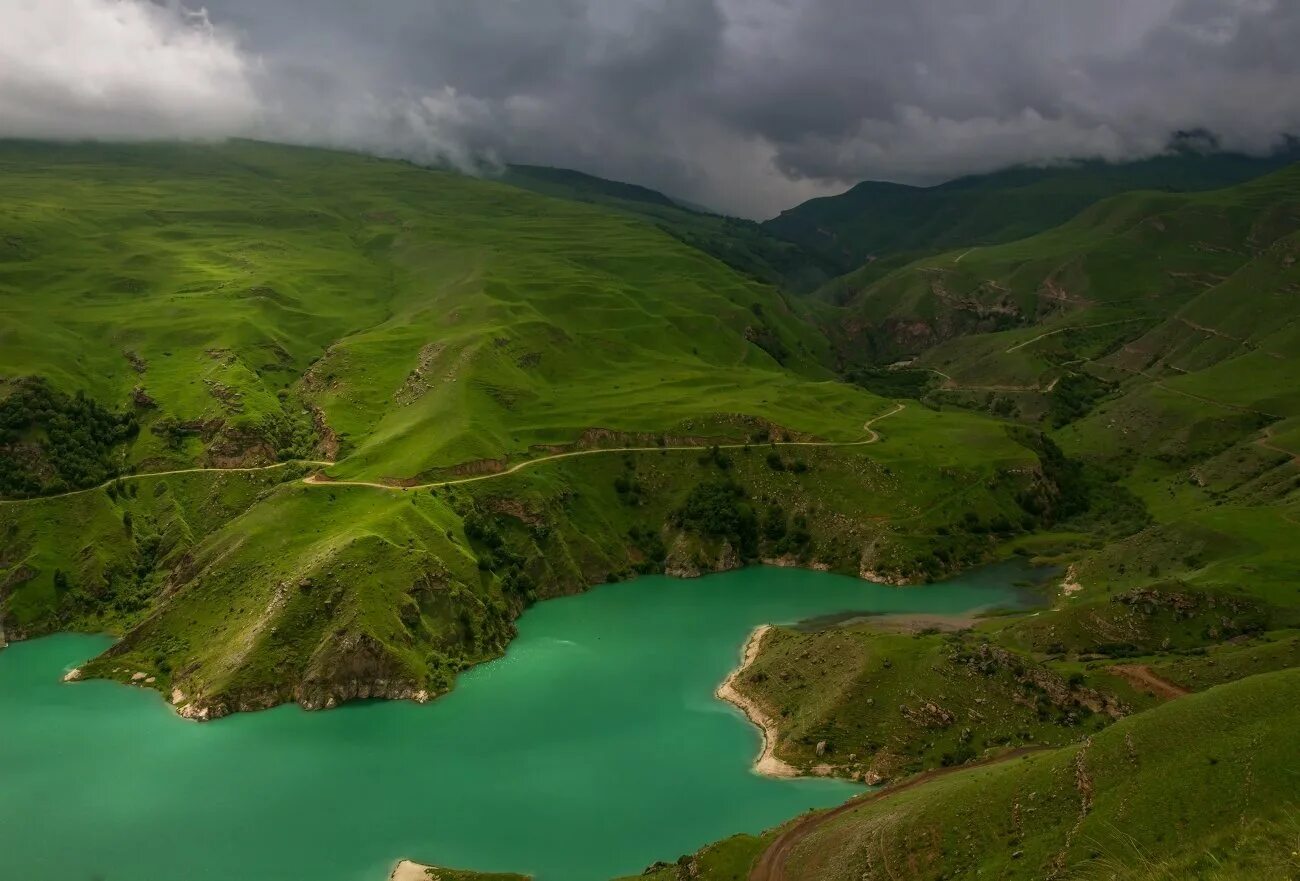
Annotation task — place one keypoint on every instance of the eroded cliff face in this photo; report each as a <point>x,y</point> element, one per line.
<point>888,339</point>
<point>352,667</point>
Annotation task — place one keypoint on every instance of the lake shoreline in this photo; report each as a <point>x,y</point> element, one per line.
<point>200,708</point>
<point>552,726</point>
<point>767,764</point>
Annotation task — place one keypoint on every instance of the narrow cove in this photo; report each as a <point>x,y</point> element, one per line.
<point>593,748</point>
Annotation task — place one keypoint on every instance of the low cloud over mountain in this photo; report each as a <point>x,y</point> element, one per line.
<point>747,105</point>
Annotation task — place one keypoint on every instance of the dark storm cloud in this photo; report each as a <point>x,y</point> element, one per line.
<point>749,105</point>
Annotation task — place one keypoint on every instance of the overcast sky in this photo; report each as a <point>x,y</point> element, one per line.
<point>748,106</point>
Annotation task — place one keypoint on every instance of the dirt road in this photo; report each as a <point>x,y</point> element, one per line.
<point>313,480</point>
<point>872,437</point>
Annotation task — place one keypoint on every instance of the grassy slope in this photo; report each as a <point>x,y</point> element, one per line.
<point>883,705</point>
<point>742,244</point>
<point>429,321</point>
<point>875,220</point>
<point>435,319</point>
<point>1139,801</point>
<point>1181,310</point>
<point>1129,803</point>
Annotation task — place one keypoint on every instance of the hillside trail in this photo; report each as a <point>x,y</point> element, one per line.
<point>950,384</point>
<point>315,480</point>
<point>770,865</point>
<point>1266,443</point>
<point>1143,678</point>
<point>1043,336</point>
<point>128,477</point>
<point>872,437</point>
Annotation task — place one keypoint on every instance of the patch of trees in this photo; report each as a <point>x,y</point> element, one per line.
<point>715,457</point>
<point>776,463</point>
<point>631,491</point>
<point>174,432</point>
<point>293,436</point>
<point>765,338</point>
<point>783,534</point>
<point>1075,394</point>
<point>720,508</point>
<point>902,383</point>
<point>651,545</point>
<point>1086,495</point>
<point>495,555</point>
<point>52,442</point>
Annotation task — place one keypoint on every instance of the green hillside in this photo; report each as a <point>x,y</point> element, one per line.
<point>308,426</point>
<point>877,220</point>
<point>237,297</point>
<point>1151,341</point>
<point>744,245</point>
<point>189,331</point>
<point>1201,788</point>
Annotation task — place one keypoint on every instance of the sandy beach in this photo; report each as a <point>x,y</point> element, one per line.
<point>767,763</point>
<point>409,870</point>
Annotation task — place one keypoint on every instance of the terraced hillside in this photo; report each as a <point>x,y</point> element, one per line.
<point>189,331</point>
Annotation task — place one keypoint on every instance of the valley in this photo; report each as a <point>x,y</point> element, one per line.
<point>297,426</point>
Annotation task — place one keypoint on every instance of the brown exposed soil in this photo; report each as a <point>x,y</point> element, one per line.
<point>1143,678</point>
<point>328,445</point>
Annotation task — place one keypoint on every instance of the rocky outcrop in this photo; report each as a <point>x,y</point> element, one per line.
<point>327,447</point>
<point>239,448</point>
<point>872,566</point>
<point>688,558</point>
<point>356,667</point>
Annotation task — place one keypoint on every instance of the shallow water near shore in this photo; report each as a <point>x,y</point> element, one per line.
<point>593,748</point>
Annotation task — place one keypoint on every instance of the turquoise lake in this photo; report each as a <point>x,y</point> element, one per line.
<point>592,749</point>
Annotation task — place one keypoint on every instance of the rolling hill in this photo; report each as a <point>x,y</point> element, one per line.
<point>876,220</point>
<point>422,319</point>
<point>744,245</point>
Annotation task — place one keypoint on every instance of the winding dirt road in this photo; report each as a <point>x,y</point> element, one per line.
<point>872,437</point>
<point>770,865</point>
<point>314,480</point>
<point>126,477</point>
